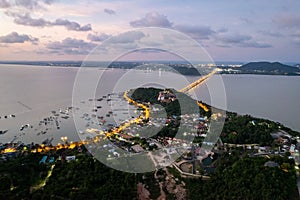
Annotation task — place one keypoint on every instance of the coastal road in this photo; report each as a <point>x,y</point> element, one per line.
<point>198,82</point>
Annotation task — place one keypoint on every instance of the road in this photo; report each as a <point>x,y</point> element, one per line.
<point>198,82</point>
<point>140,119</point>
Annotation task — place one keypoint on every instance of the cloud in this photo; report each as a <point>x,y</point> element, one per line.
<point>27,20</point>
<point>271,33</point>
<point>109,11</point>
<point>74,26</point>
<point>246,20</point>
<point>239,40</point>
<point>222,30</point>
<point>155,19</point>
<point>255,44</point>
<point>71,46</point>
<point>128,37</point>
<point>234,39</point>
<point>97,37</point>
<point>14,37</point>
<point>296,34</point>
<point>26,4</point>
<point>152,19</point>
<point>287,21</point>
<point>295,37</point>
<point>196,32</point>
<point>4,4</point>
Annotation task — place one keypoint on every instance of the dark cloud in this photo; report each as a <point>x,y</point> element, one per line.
<point>71,46</point>
<point>74,26</point>
<point>14,37</point>
<point>4,4</point>
<point>295,37</point>
<point>26,4</point>
<point>29,4</point>
<point>296,34</point>
<point>271,33</point>
<point>288,21</point>
<point>239,41</point>
<point>150,50</point>
<point>128,37</point>
<point>254,44</point>
<point>222,30</point>
<point>234,39</point>
<point>152,19</point>
<point>97,37</point>
<point>196,32</point>
<point>155,19</point>
<point>109,11</point>
<point>27,20</point>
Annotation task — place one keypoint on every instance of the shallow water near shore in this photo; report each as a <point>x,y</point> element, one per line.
<point>35,93</point>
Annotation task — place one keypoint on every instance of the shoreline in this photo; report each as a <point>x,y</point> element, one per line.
<point>77,66</point>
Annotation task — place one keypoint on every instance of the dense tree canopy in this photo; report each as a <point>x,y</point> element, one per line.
<point>248,178</point>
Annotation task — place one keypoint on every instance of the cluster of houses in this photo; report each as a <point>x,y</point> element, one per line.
<point>166,96</point>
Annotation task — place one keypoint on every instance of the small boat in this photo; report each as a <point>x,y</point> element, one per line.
<point>3,131</point>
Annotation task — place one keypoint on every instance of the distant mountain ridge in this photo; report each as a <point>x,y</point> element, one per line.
<point>274,67</point>
<point>185,68</point>
<point>262,68</point>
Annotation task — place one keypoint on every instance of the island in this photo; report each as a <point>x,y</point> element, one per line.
<point>262,68</point>
<point>181,67</point>
<point>257,155</point>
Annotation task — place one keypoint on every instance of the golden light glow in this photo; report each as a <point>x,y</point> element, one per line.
<point>198,82</point>
<point>201,105</point>
<point>9,150</point>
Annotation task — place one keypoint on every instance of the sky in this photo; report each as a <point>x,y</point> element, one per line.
<point>236,30</point>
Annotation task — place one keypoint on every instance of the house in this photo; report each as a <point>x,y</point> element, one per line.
<point>292,148</point>
<point>166,96</point>
<point>125,136</point>
<point>51,160</point>
<point>70,158</point>
<point>137,148</point>
<point>43,161</point>
<point>271,164</point>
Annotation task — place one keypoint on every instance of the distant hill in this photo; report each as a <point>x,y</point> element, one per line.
<point>274,67</point>
<point>268,68</point>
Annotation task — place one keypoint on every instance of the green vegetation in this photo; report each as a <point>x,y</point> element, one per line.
<point>246,129</point>
<point>275,68</point>
<point>84,178</point>
<point>87,178</point>
<point>247,178</point>
<point>18,175</point>
<point>265,68</point>
<point>151,184</point>
<point>237,176</point>
<point>238,129</point>
<point>183,104</point>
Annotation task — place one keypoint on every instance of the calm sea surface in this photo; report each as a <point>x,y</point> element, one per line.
<point>33,93</point>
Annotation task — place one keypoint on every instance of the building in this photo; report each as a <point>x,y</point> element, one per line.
<point>137,148</point>
<point>271,164</point>
<point>70,158</point>
<point>166,96</point>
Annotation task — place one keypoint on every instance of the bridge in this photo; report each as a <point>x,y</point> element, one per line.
<point>117,130</point>
<point>198,82</point>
